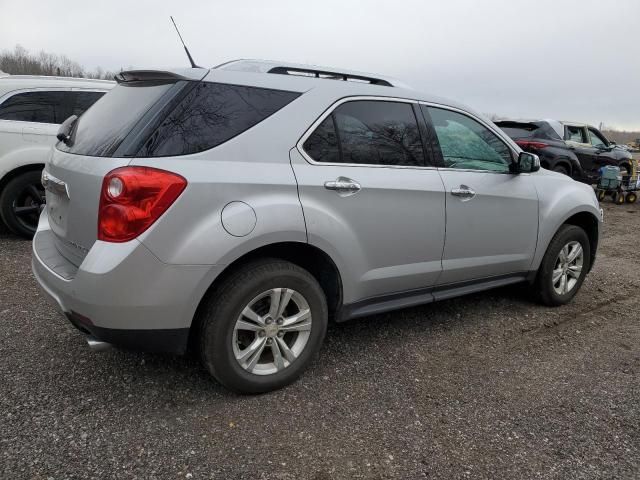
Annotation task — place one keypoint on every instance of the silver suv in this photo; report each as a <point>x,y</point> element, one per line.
<point>238,209</point>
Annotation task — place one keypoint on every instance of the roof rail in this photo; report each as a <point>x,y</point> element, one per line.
<point>329,75</point>
<point>309,71</point>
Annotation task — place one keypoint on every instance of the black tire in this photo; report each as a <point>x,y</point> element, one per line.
<point>561,169</point>
<point>223,306</point>
<point>544,284</point>
<point>601,195</point>
<point>619,199</point>
<point>20,203</point>
<point>631,198</point>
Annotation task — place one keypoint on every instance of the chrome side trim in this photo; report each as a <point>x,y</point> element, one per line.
<point>299,145</point>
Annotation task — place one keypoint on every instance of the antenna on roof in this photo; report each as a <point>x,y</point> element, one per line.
<point>193,64</point>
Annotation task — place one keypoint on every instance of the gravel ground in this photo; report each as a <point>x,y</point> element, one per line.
<point>486,386</point>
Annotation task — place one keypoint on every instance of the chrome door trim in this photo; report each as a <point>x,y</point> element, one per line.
<point>329,111</point>
<point>501,135</point>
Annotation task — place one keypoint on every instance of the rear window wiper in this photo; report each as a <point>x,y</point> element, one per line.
<point>64,132</point>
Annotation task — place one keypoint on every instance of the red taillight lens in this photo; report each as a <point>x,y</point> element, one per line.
<point>530,145</point>
<point>133,198</point>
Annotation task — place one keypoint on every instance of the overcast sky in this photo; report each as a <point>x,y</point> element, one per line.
<point>564,59</point>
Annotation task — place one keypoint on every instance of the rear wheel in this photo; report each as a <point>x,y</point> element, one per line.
<point>260,329</point>
<point>20,203</point>
<point>601,195</point>
<point>631,198</point>
<point>619,198</point>
<point>564,266</point>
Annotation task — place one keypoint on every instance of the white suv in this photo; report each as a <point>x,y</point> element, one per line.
<point>31,109</point>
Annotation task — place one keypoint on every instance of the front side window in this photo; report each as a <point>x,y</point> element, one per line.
<point>368,132</point>
<point>38,106</point>
<point>211,114</point>
<point>467,144</point>
<point>596,141</point>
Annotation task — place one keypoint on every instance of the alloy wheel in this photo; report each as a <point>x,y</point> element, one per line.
<point>27,205</point>
<point>568,267</point>
<point>272,331</point>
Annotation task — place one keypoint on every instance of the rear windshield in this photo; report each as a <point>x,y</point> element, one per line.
<point>171,119</point>
<point>519,130</point>
<point>103,127</point>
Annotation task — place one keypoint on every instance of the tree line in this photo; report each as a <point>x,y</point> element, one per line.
<point>22,62</point>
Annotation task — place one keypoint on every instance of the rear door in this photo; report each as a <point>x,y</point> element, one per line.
<point>371,196</point>
<point>492,214</point>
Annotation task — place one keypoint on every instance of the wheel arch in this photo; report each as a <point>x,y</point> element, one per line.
<point>11,174</point>
<point>311,258</point>
<point>589,223</point>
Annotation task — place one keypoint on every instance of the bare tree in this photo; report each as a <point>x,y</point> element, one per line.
<point>21,62</point>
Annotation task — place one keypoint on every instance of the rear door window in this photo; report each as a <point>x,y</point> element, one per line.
<point>211,114</point>
<point>322,144</point>
<point>78,102</point>
<point>368,132</point>
<point>37,106</point>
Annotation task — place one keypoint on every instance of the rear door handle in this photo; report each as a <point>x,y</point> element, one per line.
<point>464,192</point>
<point>343,185</point>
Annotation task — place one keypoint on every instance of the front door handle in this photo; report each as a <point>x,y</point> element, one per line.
<point>343,185</point>
<point>464,192</point>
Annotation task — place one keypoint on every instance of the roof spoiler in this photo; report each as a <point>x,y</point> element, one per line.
<point>148,75</point>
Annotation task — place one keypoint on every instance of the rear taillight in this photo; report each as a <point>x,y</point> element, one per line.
<point>133,198</point>
<point>530,145</point>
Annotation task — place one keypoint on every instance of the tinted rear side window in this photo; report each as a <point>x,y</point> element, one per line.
<point>322,144</point>
<point>79,102</point>
<point>101,129</point>
<point>379,133</point>
<point>211,114</point>
<point>370,133</point>
<point>41,107</point>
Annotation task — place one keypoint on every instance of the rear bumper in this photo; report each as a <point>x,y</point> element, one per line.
<point>121,293</point>
<point>170,340</point>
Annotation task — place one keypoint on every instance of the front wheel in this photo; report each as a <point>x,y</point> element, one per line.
<point>260,328</point>
<point>20,203</point>
<point>564,266</point>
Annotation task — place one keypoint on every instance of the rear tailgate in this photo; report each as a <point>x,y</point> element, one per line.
<point>104,138</point>
<point>73,184</point>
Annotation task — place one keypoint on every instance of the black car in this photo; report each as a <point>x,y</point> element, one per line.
<point>577,150</point>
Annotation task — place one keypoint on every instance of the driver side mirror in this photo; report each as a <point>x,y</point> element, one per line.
<point>528,162</point>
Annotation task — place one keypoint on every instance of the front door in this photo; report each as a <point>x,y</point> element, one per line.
<point>370,198</point>
<point>492,214</point>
